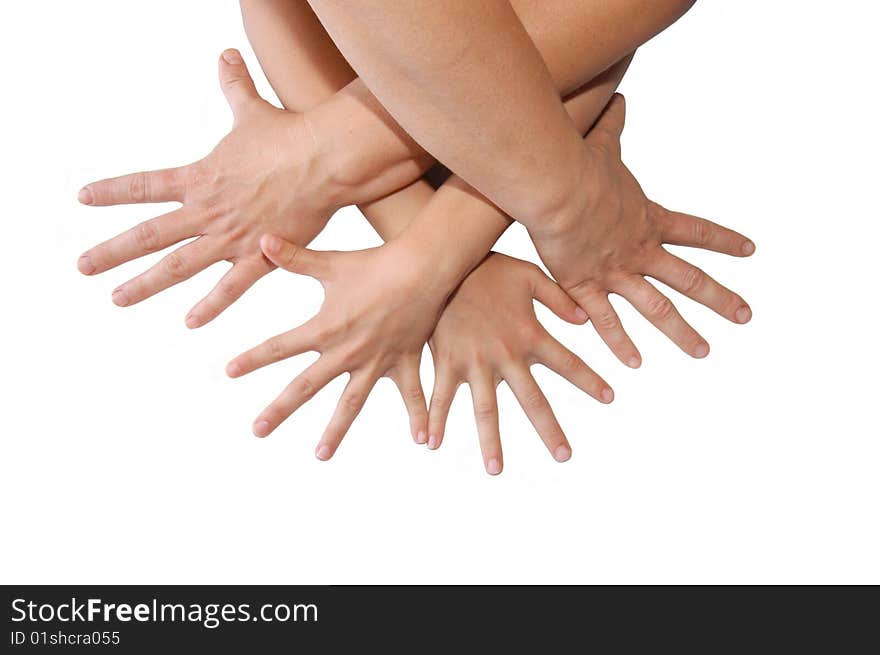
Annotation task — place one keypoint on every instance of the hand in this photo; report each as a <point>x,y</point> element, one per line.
<point>609,245</point>
<point>377,315</point>
<point>489,333</point>
<point>264,176</point>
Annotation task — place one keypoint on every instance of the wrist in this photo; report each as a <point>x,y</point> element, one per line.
<point>363,156</point>
<point>562,199</point>
<point>439,267</point>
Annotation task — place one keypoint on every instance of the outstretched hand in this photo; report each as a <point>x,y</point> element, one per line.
<point>489,333</point>
<point>612,243</point>
<point>377,315</point>
<point>264,176</point>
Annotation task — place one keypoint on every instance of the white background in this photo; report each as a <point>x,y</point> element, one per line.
<point>127,455</point>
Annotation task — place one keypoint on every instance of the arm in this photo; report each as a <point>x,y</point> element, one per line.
<point>305,68</point>
<point>444,69</point>
<point>447,71</point>
<point>494,304</point>
<point>347,150</point>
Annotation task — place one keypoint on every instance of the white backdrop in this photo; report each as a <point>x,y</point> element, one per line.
<point>127,455</point>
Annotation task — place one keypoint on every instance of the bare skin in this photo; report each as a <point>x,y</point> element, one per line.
<point>303,67</point>
<point>590,222</point>
<point>383,142</point>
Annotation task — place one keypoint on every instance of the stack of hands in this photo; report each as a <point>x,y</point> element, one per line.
<point>271,185</point>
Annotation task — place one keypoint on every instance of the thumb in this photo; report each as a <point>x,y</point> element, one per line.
<point>294,258</point>
<point>612,120</point>
<point>551,295</point>
<point>236,83</point>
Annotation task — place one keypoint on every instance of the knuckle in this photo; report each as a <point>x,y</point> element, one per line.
<point>570,363</point>
<point>175,266</point>
<point>534,399</point>
<point>233,80</point>
<point>702,232</point>
<point>304,387</point>
<point>606,321</point>
<point>693,280</point>
<point>138,187</point>
<point>439,402</point>
<point>484,410</point>
<point>660,308</point>
<point>412,394</point>
<point>227,290</point>
<point>146,236</point>
<point>352,401</point>
<point>275,348</point>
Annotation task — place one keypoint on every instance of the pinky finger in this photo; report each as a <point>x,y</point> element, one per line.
<point>685,230</point>
<point>241,277</point>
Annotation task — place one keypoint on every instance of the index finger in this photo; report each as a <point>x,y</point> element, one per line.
<point>165,185</point>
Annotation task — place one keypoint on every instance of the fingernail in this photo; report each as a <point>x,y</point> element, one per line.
<point>493,466</point>
<point>85,265</point>
<point>233,369</point>
<point>272,244</point>
<point>323,452</point>
<point>748,248</point>
<point>743,315</point>
<point>433,442</point>
<point>562,453</point>
<point>701,350</point>
<point>261,428</point>
<point>85,196</point>
<point>607,395</point>
<point>634,362</point>
<point>420,437</point>
<point>232,56</point>
<point>580,314</point>
<point>119,298</point>
<point>192,321</point>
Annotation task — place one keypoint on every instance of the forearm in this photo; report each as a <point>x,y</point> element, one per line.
<point>305,68</point>
<point>448,72</point>
<point>387,158</point>
<point>458,226</point>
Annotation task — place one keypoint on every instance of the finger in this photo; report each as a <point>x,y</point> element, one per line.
<point>686,230</point>
<point>536,407</point>
<point>610,124</point>
<point>660,311</point>
<point>551,295</point>
<point>694,283</point>
<point>562,361</point>
<point>236,82</point>
<point>294,258</point>
<point>445,387</point>
<point>164,185</point>
<point>409,384</point>
<point>150,236</point>
<point>304,386</point>
<point>486,414</point>
<point>350,404</point>
<point>241,277</point>
<point>288,344</point>
<point>607,324</point>
<point>173,268</point>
